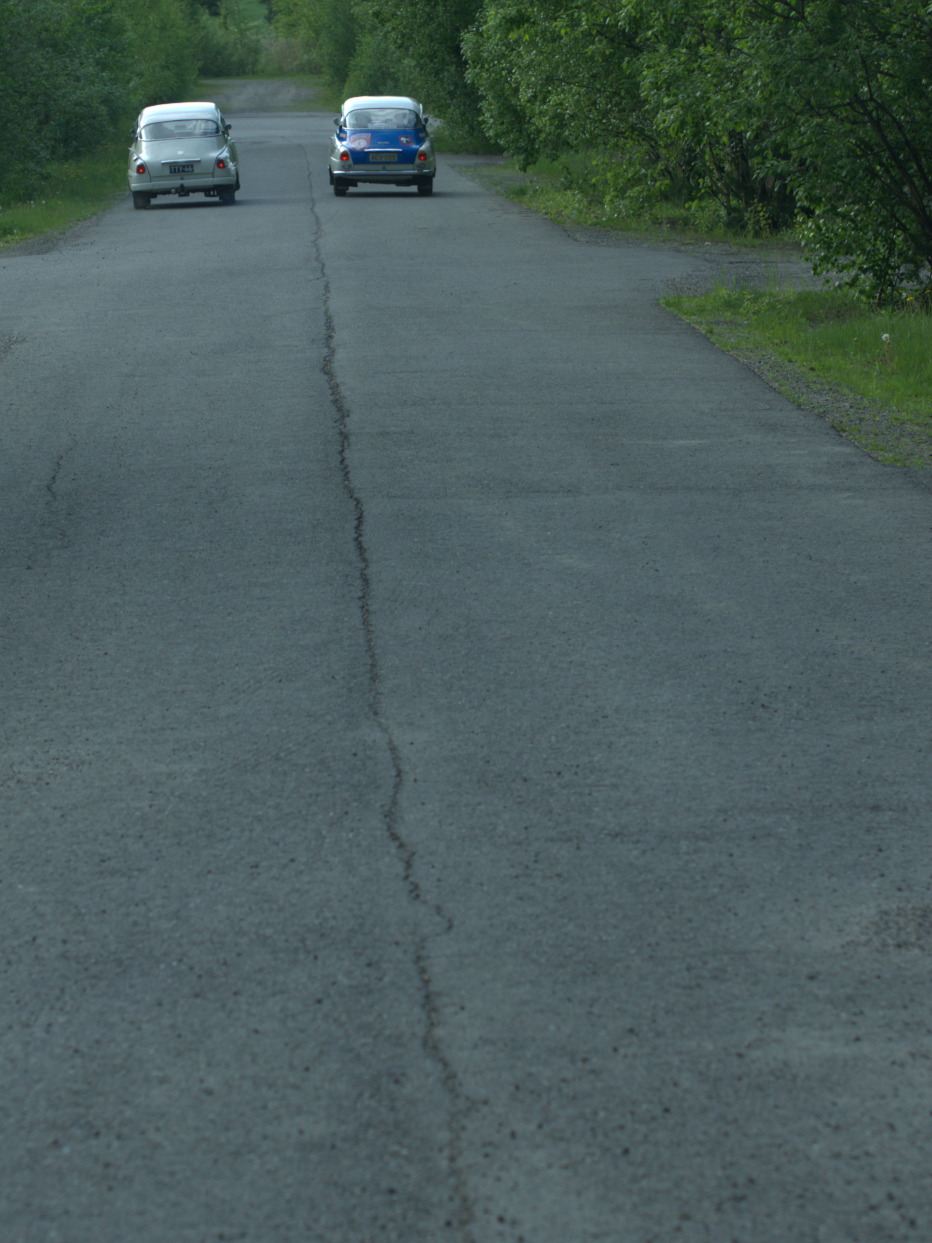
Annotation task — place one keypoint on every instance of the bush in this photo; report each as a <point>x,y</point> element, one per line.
<point>73,74</point>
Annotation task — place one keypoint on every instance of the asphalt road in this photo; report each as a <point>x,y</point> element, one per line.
<point>465,745</point>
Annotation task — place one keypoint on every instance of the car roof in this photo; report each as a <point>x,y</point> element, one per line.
<point>190,109</point>
<point>381,101</point>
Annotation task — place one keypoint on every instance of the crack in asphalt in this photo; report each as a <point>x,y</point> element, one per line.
<point>431,1041</point>
<point>53,479</point>
<point>53,518</point>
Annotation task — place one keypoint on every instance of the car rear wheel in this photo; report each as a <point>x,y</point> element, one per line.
<point>339,190</point>
<point>425,187</point>
<point>141,200</point>
<point>227,194</point>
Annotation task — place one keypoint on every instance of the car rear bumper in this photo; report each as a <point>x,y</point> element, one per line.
<point>387,177</point>
<point>180,185</point>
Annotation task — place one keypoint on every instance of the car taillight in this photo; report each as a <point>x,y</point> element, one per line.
<point>140,167</point>
<point>344,157</point>
<point>221,162</point>
<point>422,155</point>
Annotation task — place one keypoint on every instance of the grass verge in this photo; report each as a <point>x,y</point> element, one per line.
<point>73,192</point>
<point>567,192</point>
<point>868,370</point>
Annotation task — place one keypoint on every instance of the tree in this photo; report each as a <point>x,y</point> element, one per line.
<point>639,84</point>
<point>854,79</point>
<point>327,31</point>
<point>759,106</point>
<point>556,75</point>
<point>424,39</point>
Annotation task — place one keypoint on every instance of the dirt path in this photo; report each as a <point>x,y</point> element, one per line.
<point>298,94</point>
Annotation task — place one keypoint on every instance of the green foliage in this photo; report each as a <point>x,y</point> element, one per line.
<point>230,37</point>
<point>855,100</point>
<point>373,69</point>
<point>424,38</point>
<point>751,113</point>
<point>412,47</point>
<point>766,110</point>
<point>162,55</point>
<point>646,82</point>
<point>326,31</point>
<point>73,73</point>
<point>551,76</point>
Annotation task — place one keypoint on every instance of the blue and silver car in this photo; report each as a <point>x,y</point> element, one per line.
<point>182,149</point>
<point>382,140</point>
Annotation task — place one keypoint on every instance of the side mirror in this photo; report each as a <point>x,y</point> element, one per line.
<point>336,121</point>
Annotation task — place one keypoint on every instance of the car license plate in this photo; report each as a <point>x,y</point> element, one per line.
<point>181,168</point>
<point>386,157</point>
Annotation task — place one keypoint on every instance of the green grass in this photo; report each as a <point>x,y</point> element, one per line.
<point>878,361</point>
<point>886,355</point>
<point>73,192</point>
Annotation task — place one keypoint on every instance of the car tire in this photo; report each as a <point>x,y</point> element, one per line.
<point>339,190</point>
<point>141,200</point>
<point>227,195</point>
<point>425,187</point>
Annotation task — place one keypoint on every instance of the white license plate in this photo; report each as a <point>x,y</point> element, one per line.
<point>181,168</point>
<point>385,157</point>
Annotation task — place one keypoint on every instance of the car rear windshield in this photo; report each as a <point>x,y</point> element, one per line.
<point>383,118</point>
<point>197,127</point>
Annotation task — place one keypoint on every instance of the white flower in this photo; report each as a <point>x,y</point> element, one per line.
<point>886,338</point>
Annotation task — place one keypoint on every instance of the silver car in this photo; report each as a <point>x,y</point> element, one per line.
<point>382,140</point>
<point>182,149</point>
